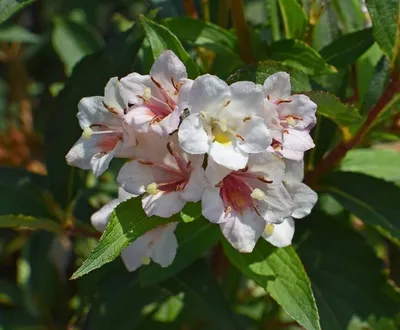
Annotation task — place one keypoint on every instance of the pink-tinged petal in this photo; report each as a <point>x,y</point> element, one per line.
<point>282,234</point>
<point>100,162</point>
<point>115,96</point>
<point>276,205</point>
<point>295,143</point>
<point>267,165</point>
<point>272,120</point>
<point>302,107</point>
<point>100,218</point>
<point>228,155</point>
<point>195,187</point>
<point>243,230</point>
<point>134,177</point>
<point>139,119</point>
<point>215,172</point>
<point>134,85</point>
<point>247,99</point>
<point>208,94</point>
<point>184,93</point>
<point>167,68</point>
<point>133,255</point>
<point>82,152</point>
<point>192,136</point>
<point>277,86</point>
<point>92,111</point>
<point>304,198</point>
<point>255,134</point>
<point>163,204</point>
<point>167,125</point>
<point>294,170</point>
<point>212,206</point>
<point>164,250</point>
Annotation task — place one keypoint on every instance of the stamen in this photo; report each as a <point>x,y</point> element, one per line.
<point>227,103</point>
<point>152,189</point>
<point>262,179</point>
<point>155,120</point>
<point>228,210</point>
<point>87,133</point>
<point>173,84</point>
<point>291,121</point>
<point>170,149</point>
<point>258,194</point>
<point>283,101</point>
<point>240,137</point>
<point>145,260</point>
<point>145,162</point>
<point>111,109</point>
<point>285,131</point>
<point>189,164</point>
<point>244,169</point>
<point>246,119</point>
<point>269,229</point>
<point>155,82</point>
<point>147,94</point>
<point>219,184</point>
<point>268,97</point>
<point>222,124</point>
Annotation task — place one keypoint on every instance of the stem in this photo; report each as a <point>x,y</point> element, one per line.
<point>223,10</point>
<point>340,151</point>
<point>190,9</point>
<point>273,14</point>
<point>242,30</point>
<point>205,8</point>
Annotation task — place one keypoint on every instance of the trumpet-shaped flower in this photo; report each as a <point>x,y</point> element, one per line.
<point>226,122</point>
<point>159,244</point>
<point>243,202</point>
<point>292,115</point>
<point>104,133</point>
<point>158,100</point>
<point>167,175</point>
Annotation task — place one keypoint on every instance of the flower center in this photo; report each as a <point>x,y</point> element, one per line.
<point>236,194</point>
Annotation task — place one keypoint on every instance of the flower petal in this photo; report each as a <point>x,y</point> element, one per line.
<point>132,256</point>
<point>184,93</point>
<point>212,205</point>
<point>192,136</point>
<point>82,152</point>
<point>134,85</point>
<point>228,155</point>
<point>282,234</point>
<point>134,177</point>
<point>255,134</point>
<point>215,172</point>
<point>100,218</point>
<point>300,106</point>
<point>304,198</point>
<point>163,204</point>
<point>115,96</point>
<point>295,143</point>
<point>166,68</point>
<point>294,170</point>
<point>243,230</point>
<point>139,119</point>
<point>208,94</point>
<point>277,86</point>
<point>100,162</point>
<point>195,186</point>
<point>92,111</point>
<point>164,249</point>
<point>267,165</point>
<point>169,124</point>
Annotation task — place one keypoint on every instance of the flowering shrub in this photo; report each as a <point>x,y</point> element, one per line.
<point>246,170</point>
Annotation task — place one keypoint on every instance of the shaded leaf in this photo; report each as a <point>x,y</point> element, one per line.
<point>16,33</point>
<point>350,14</point>
<point>18,221</point>
<point>10,7</point>
<point>280,272</point>
<point>294,19</point>
<point>161,39</point>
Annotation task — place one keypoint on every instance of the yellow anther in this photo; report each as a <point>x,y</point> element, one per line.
<point>258,194</point>
<point>152,189</point>
<point>291,121</point>
<point>87,133</point>
<point>145,260</point>
<point>269,229</point>
<point>147,93</point>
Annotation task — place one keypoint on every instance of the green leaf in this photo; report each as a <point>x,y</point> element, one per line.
<point>385,15</point>
<point>260,72</point>
<point>203,295</point>
<point>162,39</point>
<point>391,109</point>
<point>331,107</point>
<point>10,7</point>
<point>377,85</point>
<point>380,163</point>
<point>9,293</point>
<point>280,272</point>
<point>294,19</point>
<point>127,223</point>
<point>194,239</point>
<point>18,221</point>
<point>346,275</point>
<point>326,29</point>
<point>350,14</point>
<point>373,200</point>
<point>299,55</point>
<point>22,192</point>
<point>72,41</point>
<point>16,33</point>
<point>348,48</point>
<point>88,78</point>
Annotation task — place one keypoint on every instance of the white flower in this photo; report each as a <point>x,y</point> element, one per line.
<point>303,199</point>
<point>292,115</point>
<point>225,121</point>
<point>167,175</point>
<point>158,100</point>
<point>159,244</point>
<point>104,134</point>
<point>243,202</point>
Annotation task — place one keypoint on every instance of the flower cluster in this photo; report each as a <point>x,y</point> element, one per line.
<point>236,148</point>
